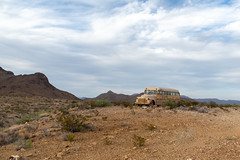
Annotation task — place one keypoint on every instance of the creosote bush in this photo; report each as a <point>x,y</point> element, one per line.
<point>98,103</point>
<point>26,118</point>
<point>213,104</point>
<point>72,122</point>
<point>138,141</point>
<point>22,143</point>
<point>172,104</point>
<point>102,103</point>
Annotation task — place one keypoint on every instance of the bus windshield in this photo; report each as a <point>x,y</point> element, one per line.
<point>150,92</point>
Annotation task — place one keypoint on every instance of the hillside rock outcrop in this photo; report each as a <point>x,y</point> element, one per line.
<point>29,85</point>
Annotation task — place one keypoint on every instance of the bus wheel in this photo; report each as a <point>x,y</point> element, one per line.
<point>151,104</point>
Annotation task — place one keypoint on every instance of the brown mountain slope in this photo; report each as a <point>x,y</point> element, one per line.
<point>114,97</point>
<point>29,85</point>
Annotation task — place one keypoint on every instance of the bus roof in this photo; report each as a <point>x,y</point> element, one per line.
<point>160,88</point>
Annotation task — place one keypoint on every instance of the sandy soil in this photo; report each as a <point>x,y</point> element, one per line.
<point>179,134</point>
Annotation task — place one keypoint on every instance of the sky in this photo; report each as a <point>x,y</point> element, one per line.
<point>90,47</point>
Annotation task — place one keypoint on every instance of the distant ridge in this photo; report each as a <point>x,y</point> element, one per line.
<point>218,101</point>
<point>30,85</point>
<point>114,97</point>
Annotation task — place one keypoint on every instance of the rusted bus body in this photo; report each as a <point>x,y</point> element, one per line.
<point>157,96</point>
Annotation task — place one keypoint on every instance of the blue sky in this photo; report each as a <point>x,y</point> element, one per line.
<point>90,47</point>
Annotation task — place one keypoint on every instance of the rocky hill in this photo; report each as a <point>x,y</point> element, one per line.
<point>114,97</point>
<point>29,85</point>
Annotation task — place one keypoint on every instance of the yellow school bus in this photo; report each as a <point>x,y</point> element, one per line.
<point>157,96</point>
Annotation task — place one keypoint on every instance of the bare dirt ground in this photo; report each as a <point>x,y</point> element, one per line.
<point>170,134</point>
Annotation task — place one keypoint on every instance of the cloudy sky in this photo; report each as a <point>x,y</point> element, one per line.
<point>90,47</point>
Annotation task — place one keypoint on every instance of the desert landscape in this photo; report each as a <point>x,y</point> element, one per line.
<point>31,129</point>
<point>39,121</point>
<point>119,80</point>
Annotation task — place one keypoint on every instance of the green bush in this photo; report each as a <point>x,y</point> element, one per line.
<point>100,103</point>
<point>22,143</point>
<point>138,141</point>
<point>63,110</point>
<point>213,104</point>
<point>172,104</point>
<point>72,122</point>
<point>26,118</point>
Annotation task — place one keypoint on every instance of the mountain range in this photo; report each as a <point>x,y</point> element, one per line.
<point>30,85</point>
<point>114,97</point>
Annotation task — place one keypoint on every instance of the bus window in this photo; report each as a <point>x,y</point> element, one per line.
<point>147,92</point>
<point>160,92</point>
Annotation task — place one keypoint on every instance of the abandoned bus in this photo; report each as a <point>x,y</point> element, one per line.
<point>157,96</point>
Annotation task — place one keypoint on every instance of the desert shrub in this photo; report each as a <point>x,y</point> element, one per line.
<point>235,105</point>
<point>104,118</point>
<point>116,103</point>
<point>224,108</point>
<point>45,132</point>
<point>102,103</point>
<point>195,103</point>
<point>99,103</point>
<point>68,137</point>
<point>127,104</point>
<point>203,104</point>
<point>26,118</point>
<point>138,141</point>
<point>151,127</point>
<point>213,104</point>
<point>186,103</point>
<point>75,104</point>
<point>63,110</point>
<point>172,104</point>
<point>9,135</point>
<point>107,141</point>
<point>72,122</point>
<point>22,143</point>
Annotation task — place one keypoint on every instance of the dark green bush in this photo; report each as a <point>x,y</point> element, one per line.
<point>100,103</point>
<point>22,143</point>
<point>138,141</point>
<point>172,104</point>
<point>213,104</point>
<point>72,122</point>
<point>26,118</point>
<point>63,110</point>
